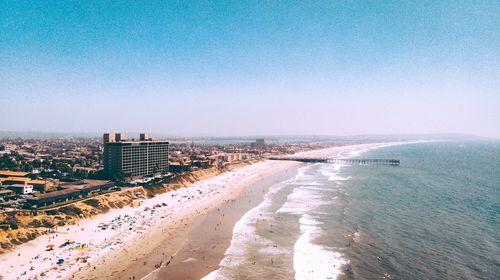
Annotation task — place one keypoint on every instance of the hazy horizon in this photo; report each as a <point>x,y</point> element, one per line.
<point>258,68</point>
<point>159,135</point>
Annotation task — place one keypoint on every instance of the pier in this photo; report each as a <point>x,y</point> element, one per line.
<point>350,161</point>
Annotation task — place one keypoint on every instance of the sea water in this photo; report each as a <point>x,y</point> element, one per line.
<point>436,216</point>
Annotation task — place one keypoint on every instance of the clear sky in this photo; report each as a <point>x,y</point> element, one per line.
<point>230,68</point>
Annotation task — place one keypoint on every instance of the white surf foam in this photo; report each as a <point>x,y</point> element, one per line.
<point>214,275</point>
<point>313,261</point>
<point>310,260</point>
<point>245,235</point>
<point>334,176</point>
<point>301,200</point>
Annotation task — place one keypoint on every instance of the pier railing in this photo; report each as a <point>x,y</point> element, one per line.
<point>351,161</point>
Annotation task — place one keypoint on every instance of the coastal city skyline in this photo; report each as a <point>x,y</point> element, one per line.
<point>234,69</point>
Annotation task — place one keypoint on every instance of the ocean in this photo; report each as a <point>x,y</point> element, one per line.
<point>436,216</point>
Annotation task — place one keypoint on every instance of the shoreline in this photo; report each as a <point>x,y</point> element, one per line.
<point>210,234</point>
<point>35,223</point>
<point>130,233</point>
<point>165,240</point>
<point>158,226</point>
<point>187,273</point>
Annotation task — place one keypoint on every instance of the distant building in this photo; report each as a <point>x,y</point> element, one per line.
<point>230,157</point>
<point>260,142</point>
<point>128,158</point>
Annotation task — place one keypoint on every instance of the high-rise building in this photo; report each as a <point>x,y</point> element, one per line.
<point>144,137</point>
<point>128,158</point>
<point>108,137</point>
<point>119,137</point>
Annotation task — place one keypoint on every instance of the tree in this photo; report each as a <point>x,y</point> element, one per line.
<point>120,176</point>
<point>36,163</point>
<point>6,162</point>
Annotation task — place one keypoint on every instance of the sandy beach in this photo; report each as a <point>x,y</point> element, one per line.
<point>169,230</point>
<point>210,234</point>
<point>107,244</point>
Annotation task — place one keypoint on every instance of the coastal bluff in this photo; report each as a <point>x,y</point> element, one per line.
<point>22,226</point>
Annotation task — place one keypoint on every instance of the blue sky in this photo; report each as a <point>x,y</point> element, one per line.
<point>251,68</point>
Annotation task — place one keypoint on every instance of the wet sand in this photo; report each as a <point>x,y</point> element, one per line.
<point>162,244</point>
<point>210,235</point>
<point>107,245</point>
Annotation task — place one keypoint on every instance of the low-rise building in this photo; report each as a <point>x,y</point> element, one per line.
<point>71,190</point>
<point>177,167</point>
<point>42,185</point>
<point>7,173</point>
<point>39,185</point>
<point>7,193</point>
<point>52,197</point>
<point>229,157</point>
<point>20,189</point>
<point>87,186</point>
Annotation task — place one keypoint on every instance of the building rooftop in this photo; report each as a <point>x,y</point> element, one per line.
<point>85,184</point>
<point>23,179</point>
<point>6,191</point>
<point>39,181</point>
<point>13,173</point>
<point>16,186</point>
<point>130,142</point>
<point>53,194</point>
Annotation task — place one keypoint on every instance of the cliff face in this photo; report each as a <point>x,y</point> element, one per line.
<point>27,225</point>
<point>23,226</point>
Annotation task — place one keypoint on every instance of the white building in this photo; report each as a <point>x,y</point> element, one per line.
<point>21,189</point>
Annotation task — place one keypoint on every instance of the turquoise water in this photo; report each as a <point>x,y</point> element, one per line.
<point>434,217</point>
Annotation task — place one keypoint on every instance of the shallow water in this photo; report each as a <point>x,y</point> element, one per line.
<point>433,217</point>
